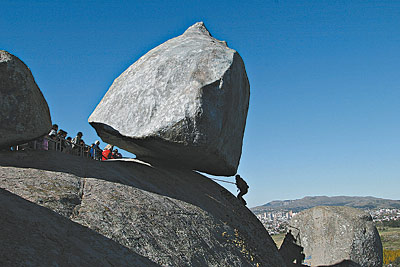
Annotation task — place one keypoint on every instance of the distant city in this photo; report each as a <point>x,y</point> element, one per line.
<point>275,216</point>
<point>276,222</point>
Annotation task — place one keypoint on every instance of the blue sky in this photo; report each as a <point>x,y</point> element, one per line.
<point>324,76</point>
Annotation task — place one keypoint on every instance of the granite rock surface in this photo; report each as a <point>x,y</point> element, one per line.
<point>24,113</point>
<point>185,102</point>
<point>35,236</point>
<point>172,217</point>
<point>332,234</point>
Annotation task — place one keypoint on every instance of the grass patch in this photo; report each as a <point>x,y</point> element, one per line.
<point>390,237</point>
<point>278,239</point>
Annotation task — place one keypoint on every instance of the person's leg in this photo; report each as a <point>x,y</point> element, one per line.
<point>240,197</point>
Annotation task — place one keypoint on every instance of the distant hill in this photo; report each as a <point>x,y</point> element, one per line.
<point>309,202</point>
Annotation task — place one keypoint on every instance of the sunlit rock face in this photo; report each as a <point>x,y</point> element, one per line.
<point>184,102</point>
<point>24,114</point>
<point>124,212</point>
<point>331,235</point>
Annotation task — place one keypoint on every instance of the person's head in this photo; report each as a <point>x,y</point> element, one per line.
<point>62,133</point>
<point>54,127</point>
<point>115,150</point>
<point>92,145</point>
<point>108,147</point>
<point>80,134</point>
<point>237,176</point>
<point>97,142</point>
<point>82,142</point>
<point>69,138</point>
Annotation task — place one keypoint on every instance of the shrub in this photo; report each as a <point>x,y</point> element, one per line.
<point>391,256</point>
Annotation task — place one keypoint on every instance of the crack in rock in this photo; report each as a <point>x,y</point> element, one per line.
<point>75,210</point>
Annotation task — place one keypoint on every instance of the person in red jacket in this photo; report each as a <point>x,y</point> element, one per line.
<point>107,152</point>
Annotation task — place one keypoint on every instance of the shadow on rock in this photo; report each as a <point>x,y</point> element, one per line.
<point>178,216</point>
<point>344,263</point>
<point>33,235</point>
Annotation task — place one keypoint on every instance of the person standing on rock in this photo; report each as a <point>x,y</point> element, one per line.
<point>53,131</point>
<point>242,187</point>
<point>96,151</point>
<point>76,143</point>
<point>116,154</point>
<point>107,152</point>
<point>53,136</point>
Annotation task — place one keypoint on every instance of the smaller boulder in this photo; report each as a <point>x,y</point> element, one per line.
<point>331,235</point>
<point>24,113</point>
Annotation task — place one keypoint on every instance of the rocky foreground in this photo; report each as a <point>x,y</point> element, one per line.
<point>85,212</point>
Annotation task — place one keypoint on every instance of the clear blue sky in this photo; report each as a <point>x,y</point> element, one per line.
<point>324,114</point>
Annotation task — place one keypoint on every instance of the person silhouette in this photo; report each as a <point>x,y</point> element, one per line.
<point>242,187</point>
<point>291,251</point>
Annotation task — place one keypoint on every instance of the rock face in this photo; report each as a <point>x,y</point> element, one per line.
<point>330,235</point>
<point>35,236</point>
<point>24,114</point>
<point>171,217</point>
<point>184,102</point>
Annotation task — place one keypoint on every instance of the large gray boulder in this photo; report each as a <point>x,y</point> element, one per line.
<point>24,114</point>
<point>35,236</point>
<point>184,102</point>
<point>331,234</point>
<point>171,217</point>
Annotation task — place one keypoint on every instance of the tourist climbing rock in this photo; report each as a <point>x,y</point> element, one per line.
<point>242,187</point>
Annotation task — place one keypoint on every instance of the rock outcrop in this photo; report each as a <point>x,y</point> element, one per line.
<point>24,114</point>
<point>172,217</point>
<point>185,102</point>
<point>35,236</point>
<point>331,234</point>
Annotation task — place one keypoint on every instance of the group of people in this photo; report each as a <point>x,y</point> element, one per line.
<point>110,153</point>
<point>76,146</point>
<point>57,140</point>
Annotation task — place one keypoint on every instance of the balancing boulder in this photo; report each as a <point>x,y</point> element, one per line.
<point>185,102</point>
<point>24,114</point>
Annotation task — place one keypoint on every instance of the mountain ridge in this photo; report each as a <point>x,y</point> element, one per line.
<point>307,202</point>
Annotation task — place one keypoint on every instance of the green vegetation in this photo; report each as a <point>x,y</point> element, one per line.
<point>391,257</point>
<point>278,239</point>
<point>391,223</point>
<point>390,237</point>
